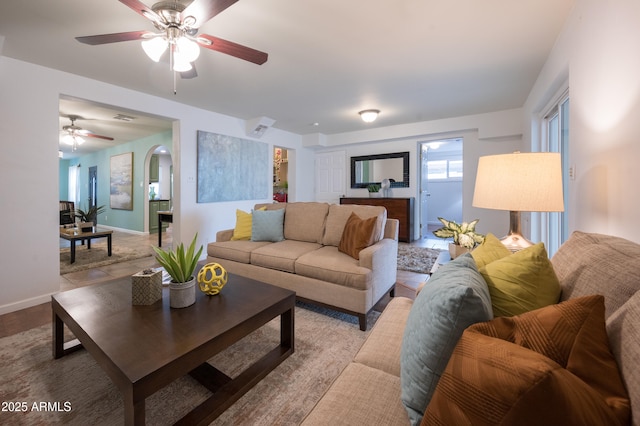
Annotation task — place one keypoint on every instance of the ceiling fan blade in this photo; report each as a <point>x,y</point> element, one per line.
<point>93,135</point>
<point>203,10</point>
<point>141,8</point>
<point>235,49</point>
<point>112,38</point>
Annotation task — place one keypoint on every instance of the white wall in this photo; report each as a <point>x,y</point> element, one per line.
<point>29,255</point>
<point>483,134</point>
<point>597,57</point>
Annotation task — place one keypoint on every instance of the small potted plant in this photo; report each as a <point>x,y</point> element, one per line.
<point>180,265</point>
<point>88,217</point>
<point>374,190</point>
<point>465,237</point>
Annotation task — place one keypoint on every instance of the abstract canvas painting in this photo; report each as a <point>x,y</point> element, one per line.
<point>231,169</point>
<point>121,181</point>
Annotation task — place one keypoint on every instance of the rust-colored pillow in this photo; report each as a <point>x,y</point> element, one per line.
<point>548,366</point>
<point>357,235</point>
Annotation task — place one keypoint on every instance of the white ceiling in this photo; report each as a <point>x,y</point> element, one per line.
<point>415,60</point>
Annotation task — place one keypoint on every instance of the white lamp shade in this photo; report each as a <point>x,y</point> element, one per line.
<point>154,47</point>
<point>188,49</point>
<point>180,64</point>
<point>520,182</point>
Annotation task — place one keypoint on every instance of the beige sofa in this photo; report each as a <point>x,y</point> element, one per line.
<point>368,391</point>
<point>308,261</point>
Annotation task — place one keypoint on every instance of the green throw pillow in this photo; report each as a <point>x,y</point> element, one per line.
<point>521,282</point>
<point>489,251</point>
<point>268,225</point>
<point>455,297</point>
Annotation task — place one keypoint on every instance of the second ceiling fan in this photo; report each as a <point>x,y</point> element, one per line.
<point>178,33</point>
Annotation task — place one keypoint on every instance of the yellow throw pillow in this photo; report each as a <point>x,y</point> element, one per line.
<point>244,221</point>
<point>489,251</point>
<point>521,282</point>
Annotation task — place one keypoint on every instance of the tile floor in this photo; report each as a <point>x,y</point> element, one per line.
<point>25,319</point>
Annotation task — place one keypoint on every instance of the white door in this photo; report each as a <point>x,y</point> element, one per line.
<point>330,176</point>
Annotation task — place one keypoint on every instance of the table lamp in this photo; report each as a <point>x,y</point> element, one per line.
<point>519,182</point>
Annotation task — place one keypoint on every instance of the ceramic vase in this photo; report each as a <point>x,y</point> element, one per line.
<point>182,295</point>
<point>455,250</point>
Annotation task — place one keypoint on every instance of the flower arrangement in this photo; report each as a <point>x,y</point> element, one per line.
<point>464,234</point>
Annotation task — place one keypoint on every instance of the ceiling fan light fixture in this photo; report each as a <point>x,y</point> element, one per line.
<point>154,48</point>
<point>369,115</point>
<point>179,63</point>
<point>188,49</point>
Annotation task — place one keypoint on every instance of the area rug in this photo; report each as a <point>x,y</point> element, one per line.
<point>97,257</point>
<point>416,259</point>
<point>76,391</point>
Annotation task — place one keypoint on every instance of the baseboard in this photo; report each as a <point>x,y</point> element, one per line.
<point>28,303</point>
<point>128,231</point>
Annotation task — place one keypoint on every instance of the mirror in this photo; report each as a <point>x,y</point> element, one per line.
<point>368,169</point>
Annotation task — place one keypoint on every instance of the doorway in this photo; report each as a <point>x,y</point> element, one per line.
<point>93,186</point>
<point>280,174</point>
<point>441,181</point>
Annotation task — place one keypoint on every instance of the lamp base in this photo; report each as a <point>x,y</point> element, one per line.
<point>515,242</point>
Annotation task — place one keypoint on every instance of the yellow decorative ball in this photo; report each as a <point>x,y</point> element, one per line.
<point>211,278</point>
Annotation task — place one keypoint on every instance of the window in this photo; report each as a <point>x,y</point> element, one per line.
<point>444,169</point>
<point>556,139</point>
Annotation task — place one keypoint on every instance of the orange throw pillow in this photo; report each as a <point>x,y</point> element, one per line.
<point>357,235</point>
<point>548,366</point>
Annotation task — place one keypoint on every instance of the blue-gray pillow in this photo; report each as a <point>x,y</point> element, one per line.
<point>455,297</point>
<point>267,225</point>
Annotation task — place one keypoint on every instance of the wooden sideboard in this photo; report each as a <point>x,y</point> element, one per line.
<point>397,208</point>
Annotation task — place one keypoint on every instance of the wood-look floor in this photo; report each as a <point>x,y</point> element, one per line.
<point>25,319</point>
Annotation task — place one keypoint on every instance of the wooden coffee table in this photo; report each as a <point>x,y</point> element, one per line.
<point>144,348</point>
<point>85,236</point>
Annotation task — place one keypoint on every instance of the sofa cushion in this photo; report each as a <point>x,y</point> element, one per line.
<point>623,329</point>
<point>455,297</point>
<point>267,225</point>
<point>387,333</point>
<point>598,264</point>
<point>238,251</point>
<point>521,282</point>
<point>358,234</point>
<point>282,255</point>
<point>549,366</point>
<point>328,264</point>
<point>361,395</point>
<point>489,251</point>
<point>340,213</point>
<point>305,221</point>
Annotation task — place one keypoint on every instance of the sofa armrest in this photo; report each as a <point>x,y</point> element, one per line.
<point>382,259</point>
<point>391,229</point>
<point>224,235</point>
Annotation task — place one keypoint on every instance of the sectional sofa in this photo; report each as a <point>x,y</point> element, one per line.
<point>297,246</point>
<point>570,363</point>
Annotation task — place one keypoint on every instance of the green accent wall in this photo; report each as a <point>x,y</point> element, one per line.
<point>125,219</point>
<point>63,187</point>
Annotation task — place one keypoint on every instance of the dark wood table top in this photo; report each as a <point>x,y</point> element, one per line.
<point>78,234</point>
<point>134,342</point>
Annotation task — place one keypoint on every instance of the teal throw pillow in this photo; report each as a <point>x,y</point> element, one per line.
<point>455,297</point>
<point>268,225</point>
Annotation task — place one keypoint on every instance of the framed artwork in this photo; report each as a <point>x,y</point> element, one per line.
<point>121,181</point>
<point>231,169</point>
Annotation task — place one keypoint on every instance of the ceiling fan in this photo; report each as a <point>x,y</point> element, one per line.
<point>74,135</point>
<point>177,27</point>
